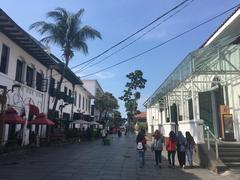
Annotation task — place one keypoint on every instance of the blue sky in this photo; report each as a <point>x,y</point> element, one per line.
<point>118,19</point>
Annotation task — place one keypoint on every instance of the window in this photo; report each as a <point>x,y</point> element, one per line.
<point>86,104</point>
<point>89,105</point>
<point>51,87</point>
<point>65,90</point>
<point>29,76</point>
<point>79,101</point>
<point>39,81</point>
<point>75,98</point>
<point>83,101</point>
<point>19,71</point>
<point>70,92</point>
<point>4,59</point>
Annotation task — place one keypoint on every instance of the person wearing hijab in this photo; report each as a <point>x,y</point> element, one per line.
<point>190,147</point>
<point>171,149</point>
<point>157,147</point>
<point>181,149</point>
<point>141,147</point>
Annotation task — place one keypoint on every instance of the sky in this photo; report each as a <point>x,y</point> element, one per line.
<point>116,20</point>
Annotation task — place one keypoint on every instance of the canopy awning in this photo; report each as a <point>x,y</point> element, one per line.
<point>204,61</point>
<point>94,123</point>
<point>80,122</point>
<point>11,117</point>
<point>41,120</point>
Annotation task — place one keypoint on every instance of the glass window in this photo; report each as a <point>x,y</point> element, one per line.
<point>4,59</point>
<point>39,81</point>
<point>65,90</point>
<point>29,76</point>
<point>89,105</point>
<point>83,101</point>
<point>75,98</point>
<point>79,101</point>
<point>86,104</point>
<point>19,71</point>
<point>51,87</point>
<point>70,92</point>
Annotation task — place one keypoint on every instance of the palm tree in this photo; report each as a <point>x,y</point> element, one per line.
<point>66,31</point>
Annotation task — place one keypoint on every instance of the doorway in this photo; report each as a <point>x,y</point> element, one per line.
<point>209,103</point>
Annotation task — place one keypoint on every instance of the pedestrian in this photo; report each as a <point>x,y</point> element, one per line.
<point>104,135</point>
<point>189,148</point>
<point>119,132</point>
<point>157,147</point>
<point>171,149</point>
<point>141,147</point>
<point>181,149</point>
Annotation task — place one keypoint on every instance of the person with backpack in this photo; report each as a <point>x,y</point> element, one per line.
<point>171,149</point>
<point>141,147</point>
<point>189,148</point>
<point>181,148</point>
<point>157,147</point>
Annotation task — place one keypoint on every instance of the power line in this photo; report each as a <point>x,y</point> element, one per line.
<point>163,43</point>
<point>117,44</point>
<point>87,66</point>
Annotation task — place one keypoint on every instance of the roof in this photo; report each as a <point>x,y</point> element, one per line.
<point>69,75</point>
<point>226,35</point>
<point>23,39</point>
<point>141,115</point>
<point>222,30</point>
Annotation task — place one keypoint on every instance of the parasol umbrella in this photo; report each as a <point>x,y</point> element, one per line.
<point>11,117</point>
<point>41,120</point>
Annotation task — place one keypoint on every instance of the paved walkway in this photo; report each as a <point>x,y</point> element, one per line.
<point>93,161</point>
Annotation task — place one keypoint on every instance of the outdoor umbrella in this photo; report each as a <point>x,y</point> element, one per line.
<point>11,117</point>
<point>41,120</point>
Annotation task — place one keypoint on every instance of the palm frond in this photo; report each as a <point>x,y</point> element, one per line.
<point>88,32</point>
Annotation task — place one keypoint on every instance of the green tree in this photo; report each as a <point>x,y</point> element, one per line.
<point>105,103</point>
<point>132,94</point>
<point>116,120</point>
<point>67,31</point>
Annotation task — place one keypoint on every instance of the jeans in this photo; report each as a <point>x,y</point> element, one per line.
<point>171,158</point>
<point>158,157</point>
<point>141,158</point>
<point>189,153</point>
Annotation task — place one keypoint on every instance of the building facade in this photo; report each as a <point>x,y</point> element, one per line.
<point>203,90</point>
<point>94,88</point>
<point>25,64</point>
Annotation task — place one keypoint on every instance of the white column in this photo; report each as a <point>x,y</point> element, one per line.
<point>193,101</point>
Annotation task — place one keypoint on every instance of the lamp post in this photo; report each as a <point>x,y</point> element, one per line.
<point>3,102</point>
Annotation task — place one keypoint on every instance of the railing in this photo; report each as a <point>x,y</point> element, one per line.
<point>216,140</point>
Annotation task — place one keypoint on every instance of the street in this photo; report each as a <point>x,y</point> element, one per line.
<point>92,160</point>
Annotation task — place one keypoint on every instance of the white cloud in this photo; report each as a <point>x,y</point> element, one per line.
<point>105,75</point>
<point>155,35</point>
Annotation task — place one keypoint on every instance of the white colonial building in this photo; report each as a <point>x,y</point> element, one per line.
<point>93,87</point>
<point>34,72</point>
<point>203,90</point>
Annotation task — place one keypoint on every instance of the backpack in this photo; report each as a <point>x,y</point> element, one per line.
<point>139,146</point>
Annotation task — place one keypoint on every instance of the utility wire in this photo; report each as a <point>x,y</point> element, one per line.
<point>163,43</point>
<point>87,66</point>
<point>117,44</point>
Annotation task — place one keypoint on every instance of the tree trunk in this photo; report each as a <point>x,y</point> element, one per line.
<point>100,115</point>
<point>60,84</point>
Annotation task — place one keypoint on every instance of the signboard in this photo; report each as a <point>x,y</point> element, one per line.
<point>228,127</point>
